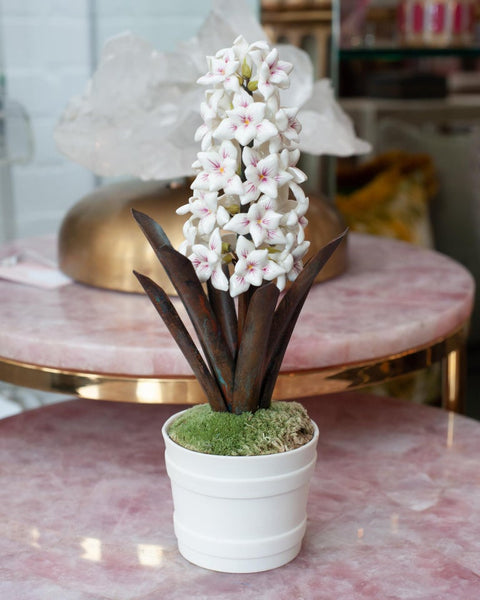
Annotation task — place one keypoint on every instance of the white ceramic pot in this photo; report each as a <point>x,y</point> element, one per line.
<point>239,514</point>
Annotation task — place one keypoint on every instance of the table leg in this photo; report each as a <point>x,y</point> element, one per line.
<point>454,373</point>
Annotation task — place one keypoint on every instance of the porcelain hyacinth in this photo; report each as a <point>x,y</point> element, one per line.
<point>247,206</point>
<point>244,237</point>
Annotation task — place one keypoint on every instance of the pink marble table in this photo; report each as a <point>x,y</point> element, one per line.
<point>394,297</point>
<point>86,511</point>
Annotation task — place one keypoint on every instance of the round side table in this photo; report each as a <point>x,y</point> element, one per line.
<point>393,512</point>
<point>396,309</point>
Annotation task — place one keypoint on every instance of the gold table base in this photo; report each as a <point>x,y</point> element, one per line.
<point>450,350</point>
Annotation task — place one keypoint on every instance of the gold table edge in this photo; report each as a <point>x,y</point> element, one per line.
<point>166,389</point>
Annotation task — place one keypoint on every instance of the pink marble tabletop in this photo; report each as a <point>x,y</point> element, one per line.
<point>86,511</point>
<point>393,297</point>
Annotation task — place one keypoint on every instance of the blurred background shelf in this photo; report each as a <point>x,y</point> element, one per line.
<point>402,53</point>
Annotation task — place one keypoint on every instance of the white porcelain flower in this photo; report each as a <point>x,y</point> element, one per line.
<point>273,73</point>
<point>297,256</point>
<point>252,268</point>
<point>222,67</point>
<point>261,222</point>
<point>190,235</point>
<point>263,175</point>
<point>219,170</point>
<point>288,160</point>
<point>210,111</point>
<point>246,122</point>
<point>207,260</point>
<point>288,126</point>
<point>203,206</point>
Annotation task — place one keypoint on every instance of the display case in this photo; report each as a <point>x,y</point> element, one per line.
<point>419,99</point>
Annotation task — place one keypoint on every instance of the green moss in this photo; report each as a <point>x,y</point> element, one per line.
<point>284,426</point>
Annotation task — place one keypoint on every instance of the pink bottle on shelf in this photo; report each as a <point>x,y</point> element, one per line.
<point>440,23</point>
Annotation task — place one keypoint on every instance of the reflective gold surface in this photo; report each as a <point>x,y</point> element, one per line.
<point>298,384</point>
<point>453,379</point>
<point>100,244</point>
<point>324,224</point>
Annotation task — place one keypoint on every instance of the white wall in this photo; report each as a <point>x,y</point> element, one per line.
<point>46,60</point>
<point>48,49</point>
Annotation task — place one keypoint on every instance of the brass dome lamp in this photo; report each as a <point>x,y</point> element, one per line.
<point>100,244</point>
